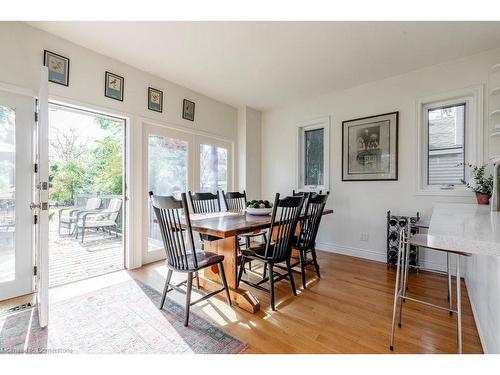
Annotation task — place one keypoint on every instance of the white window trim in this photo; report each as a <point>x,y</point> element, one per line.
<point>473,97</point>
<point>322,122</point>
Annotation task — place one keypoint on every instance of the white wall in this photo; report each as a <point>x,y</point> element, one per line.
<point>22,56</point>
<point>249,151</point>
<point>362,206</point>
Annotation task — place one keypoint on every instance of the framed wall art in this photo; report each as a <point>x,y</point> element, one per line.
<point>58,67</point>
<point>188,110</point>
<point>370,148</point>
<point>155,100</point>
<point>113,86</point>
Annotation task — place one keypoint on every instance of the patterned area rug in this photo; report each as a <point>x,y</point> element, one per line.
<point>123,318</point>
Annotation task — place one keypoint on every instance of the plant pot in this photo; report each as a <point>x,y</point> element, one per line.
<point>483,198</point>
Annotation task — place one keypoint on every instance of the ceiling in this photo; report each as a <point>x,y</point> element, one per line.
<point>270,64</point>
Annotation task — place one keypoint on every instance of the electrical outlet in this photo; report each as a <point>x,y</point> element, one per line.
<point>364,236</point>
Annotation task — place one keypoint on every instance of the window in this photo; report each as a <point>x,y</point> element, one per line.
<point>446,153</point>
<point>450,136</point>
<point>213,168</point>
<point>313,154</point>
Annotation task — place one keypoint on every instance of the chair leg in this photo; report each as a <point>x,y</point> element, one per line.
<point>292,281</point>
<point>224,282</point>
<point>396,294</point>
<point>302,260</point>
<point>271,284</point>
<point>83,233</point>
<point>197,275</point>
<point>240,272</point>
<point>189,286</point>
<point>248,247</point>
<point>450,297</point>
<point>165,289</point>
<point>315,261</point>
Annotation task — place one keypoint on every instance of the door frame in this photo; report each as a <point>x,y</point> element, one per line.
<point>130,258</point>
<point>143,123</point>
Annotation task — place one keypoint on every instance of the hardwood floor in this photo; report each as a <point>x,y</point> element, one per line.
<point>347,311</point>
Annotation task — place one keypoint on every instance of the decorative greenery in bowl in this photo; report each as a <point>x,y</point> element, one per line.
<point>480,184</point>
<point>259,207</point>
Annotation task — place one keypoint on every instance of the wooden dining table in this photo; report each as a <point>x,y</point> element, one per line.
<point>227,226</point>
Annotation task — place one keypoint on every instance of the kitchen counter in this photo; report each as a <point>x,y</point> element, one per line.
<point>467,228</point>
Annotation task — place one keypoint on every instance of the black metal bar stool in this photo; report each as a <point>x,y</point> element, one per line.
<point>400,292</point>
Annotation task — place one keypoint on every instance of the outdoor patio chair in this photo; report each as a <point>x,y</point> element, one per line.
<point>104,219</point>
<point>92,205</point>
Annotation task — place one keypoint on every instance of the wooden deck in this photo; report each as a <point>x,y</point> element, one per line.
<point>70,260</point>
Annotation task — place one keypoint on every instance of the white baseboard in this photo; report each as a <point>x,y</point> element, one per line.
<point>378,256</point>
<point>476,320</point>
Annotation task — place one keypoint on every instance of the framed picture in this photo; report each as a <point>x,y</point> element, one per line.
<point>370,148</point>
<point>155,100</point>
<point>113,86</point>
<point>58,67</point>
<point>188,110</point>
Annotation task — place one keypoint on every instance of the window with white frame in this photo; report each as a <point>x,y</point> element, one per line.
<point>450,137</point>
<point>313,154</point>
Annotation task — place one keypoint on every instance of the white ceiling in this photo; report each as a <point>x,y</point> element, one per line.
<point>270,64</point>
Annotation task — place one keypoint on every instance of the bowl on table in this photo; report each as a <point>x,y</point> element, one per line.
<point>259,211</point>
<point>259,207</point>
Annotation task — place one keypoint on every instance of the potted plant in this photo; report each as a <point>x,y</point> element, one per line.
<point>479,184</point>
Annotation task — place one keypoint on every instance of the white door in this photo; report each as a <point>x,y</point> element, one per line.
<point>16,172</point>
<point>167,170</point>
<point>41,198</point>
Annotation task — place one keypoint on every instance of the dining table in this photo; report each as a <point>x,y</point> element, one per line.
<point>226,226</point>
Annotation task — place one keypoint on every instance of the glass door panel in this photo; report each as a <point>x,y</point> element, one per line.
<point>16,253</point>
<point>169,172</point>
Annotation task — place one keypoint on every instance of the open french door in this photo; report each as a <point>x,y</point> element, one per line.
<point>40,204</point>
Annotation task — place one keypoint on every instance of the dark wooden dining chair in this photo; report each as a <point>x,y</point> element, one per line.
<point>205,203</point>
<point>305,242</point>
<point>286,213</point>
<point>181,253</point>
<point>237,201</point>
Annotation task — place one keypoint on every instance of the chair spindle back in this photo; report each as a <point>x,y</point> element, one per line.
<point>313,213</point>
<point>168,214</point>
<point>204,203</point>
<point>234,200</point>
<point>286,213</point>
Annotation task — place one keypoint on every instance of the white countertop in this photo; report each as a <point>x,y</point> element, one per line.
<point>467,228</point>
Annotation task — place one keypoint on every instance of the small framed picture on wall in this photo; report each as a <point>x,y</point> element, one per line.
<point>188,110</point>
<point>113,86</point>
<point>370,148</point>
<point>155,100</point>
<point>58,67</point>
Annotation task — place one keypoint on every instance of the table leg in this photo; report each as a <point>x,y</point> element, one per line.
<point>210,278</point>
<point>459,307</point>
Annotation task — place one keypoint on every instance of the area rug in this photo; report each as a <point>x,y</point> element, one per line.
<point>123,318</point>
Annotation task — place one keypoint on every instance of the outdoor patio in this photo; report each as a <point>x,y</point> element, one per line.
<point>70,260</point>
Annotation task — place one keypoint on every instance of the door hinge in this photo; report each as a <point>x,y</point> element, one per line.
<point>35,167</point>
<point>35,219</point>
<point>35,270</point>
<point>36,117</point>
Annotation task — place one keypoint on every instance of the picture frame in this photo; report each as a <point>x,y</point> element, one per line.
<point>188,108</point>
<point>58,67</point>
<point>370,148</point>
<point>155,100</point>
<point>114,86</point>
